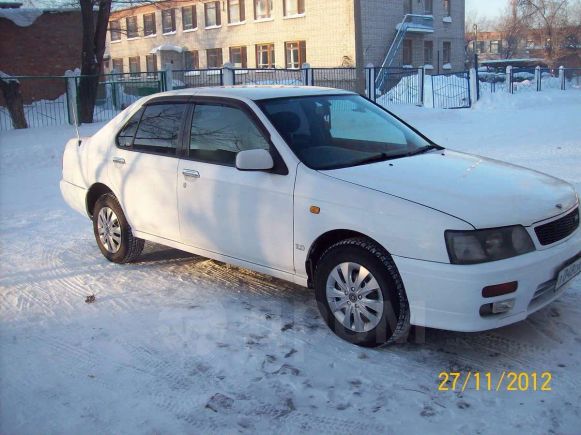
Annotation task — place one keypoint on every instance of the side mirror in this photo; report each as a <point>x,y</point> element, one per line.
<point>254,160</point>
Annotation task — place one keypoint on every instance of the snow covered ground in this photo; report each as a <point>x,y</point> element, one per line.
<point>181,344</point>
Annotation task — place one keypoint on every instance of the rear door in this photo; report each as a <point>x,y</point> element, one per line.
<point>247,215</point>
<point>143,168</point>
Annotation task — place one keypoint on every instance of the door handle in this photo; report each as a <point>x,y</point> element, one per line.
<point>119,160</point>
<point>190,173</point>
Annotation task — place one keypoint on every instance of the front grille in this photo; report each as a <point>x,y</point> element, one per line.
<point>559,229</point>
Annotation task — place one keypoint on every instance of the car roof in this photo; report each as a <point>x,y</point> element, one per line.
<point>257,92</point>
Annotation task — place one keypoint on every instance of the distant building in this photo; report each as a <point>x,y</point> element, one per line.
<point>491,46</point>
<point>286,34</point>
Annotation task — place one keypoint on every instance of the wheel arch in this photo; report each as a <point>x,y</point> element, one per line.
<point>324,241</point>
<point>93,194</point>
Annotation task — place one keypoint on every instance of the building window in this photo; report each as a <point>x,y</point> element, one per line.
<point>407,6</point>
<point>131,23</point>
<point>212,14</point>
<point>238,57</point>
<point>214,58</point>
<point>429,7</point>
<point>495,47</point>
<point>236,11</point>
<point>189,18</point>
<point>151,63</point>
<point>296,54</point>
<point>134,67</point>
<point>168,20</point>
<point>293,7</point>
<point>149,25</point>
<point>191,60</point>
<point>428,52</point>
<point>115,30</point>
<point>263,9</point>
<point>265,56</point>
<point>408,52</point>
<point>481,47</point>
<point>117,65</point>
<point>447,53</point>
<point>447,8</point>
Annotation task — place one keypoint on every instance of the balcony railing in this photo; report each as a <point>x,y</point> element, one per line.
<point>417,23</point>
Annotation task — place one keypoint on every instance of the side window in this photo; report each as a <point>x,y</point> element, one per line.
<point>125,136</point>
<point>159,128</point>
<point>220,132</point>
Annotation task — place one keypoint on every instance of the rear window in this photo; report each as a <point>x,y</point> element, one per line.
<point>159,128</point>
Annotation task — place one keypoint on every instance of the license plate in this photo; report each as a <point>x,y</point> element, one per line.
<point>568,273</point>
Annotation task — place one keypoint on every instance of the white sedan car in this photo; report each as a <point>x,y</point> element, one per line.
<point>324,188</point>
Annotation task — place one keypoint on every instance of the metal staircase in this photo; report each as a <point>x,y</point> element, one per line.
<point>410,23</point>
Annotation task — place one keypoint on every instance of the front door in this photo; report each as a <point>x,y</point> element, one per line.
<point>247,215</point>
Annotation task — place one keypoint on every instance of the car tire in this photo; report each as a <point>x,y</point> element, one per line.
<point>112,232</point>
<point>376,316</point>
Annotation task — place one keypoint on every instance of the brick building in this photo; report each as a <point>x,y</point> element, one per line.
<point>37,42</point>
<point>285,33</point>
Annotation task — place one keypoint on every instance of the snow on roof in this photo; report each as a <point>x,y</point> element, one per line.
<point>7,78</point>
<point>167,47</point>
<point>21,17</point>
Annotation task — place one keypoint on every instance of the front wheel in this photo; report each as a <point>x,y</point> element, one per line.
<point>360,293</point>
<point>112,232</point>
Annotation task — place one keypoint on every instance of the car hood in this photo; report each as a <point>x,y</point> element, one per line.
<point>483,192</point>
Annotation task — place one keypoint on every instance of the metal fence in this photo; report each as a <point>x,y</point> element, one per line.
<point>398,86</point>
<point>573,79</point>
<point>349,79</point>
<point>519,80</point>
<point>269,76</point>
<point>44,100</point>
<point>451,91</point>
<point>197,78</point>
<point>50,101</point>
<point>491,82</point>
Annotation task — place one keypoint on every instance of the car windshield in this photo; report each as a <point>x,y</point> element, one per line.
<point>338,131</point>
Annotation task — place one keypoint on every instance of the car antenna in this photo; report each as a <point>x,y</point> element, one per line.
<point>77,124</point>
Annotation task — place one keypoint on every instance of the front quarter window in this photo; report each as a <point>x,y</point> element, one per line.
<point>337,131</point>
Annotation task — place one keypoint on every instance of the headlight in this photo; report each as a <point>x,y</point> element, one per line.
<point>482,246</point>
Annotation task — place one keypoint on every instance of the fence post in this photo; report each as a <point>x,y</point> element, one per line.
<point>307,74</point>
<point>538,78</point>
<point>168,77</point>
<point>473,84</point>
<point>562,77</point>
<point>71,82</point>
<point>509,78</point>
<point>228,74</point>
<point>421,78</point>
<point>370,82</point>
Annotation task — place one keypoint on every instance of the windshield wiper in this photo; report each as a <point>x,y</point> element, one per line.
<point>374,159</point>
<point>423,150</point>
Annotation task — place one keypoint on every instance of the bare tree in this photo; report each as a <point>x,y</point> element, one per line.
<point>95,24</point>
<point>551,19</point>
<point>513,27</point>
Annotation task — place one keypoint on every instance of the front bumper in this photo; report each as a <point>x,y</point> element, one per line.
<point>447,296</point>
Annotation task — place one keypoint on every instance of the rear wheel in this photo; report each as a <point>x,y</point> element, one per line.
<point>360,293</point>
<point>112,232</point>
